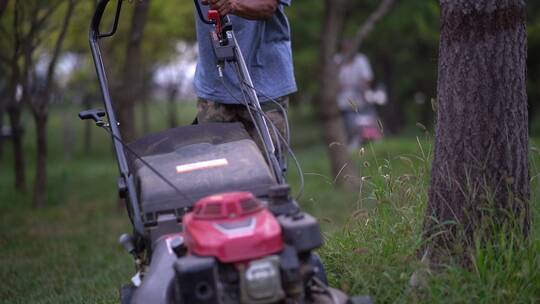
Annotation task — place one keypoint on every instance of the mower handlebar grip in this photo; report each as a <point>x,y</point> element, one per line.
<point>94,114</point>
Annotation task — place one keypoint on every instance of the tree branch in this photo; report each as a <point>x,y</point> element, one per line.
<point>59,42</point>
<point>36,22</point>
<point>47,14</point>
<point>367,27</point>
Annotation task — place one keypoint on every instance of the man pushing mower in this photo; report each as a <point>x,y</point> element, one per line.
<point>212,218</point>
<point>264,38</point>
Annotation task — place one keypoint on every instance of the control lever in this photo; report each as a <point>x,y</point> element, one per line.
<point>94,114</point>
<point>215,18</point>
<point>222,42</point>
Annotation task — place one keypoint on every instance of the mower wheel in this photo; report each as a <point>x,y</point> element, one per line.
<point>126,293</point>
<point>315,261</point>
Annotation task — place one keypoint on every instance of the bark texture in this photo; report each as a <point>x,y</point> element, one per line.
<point>480,178</point>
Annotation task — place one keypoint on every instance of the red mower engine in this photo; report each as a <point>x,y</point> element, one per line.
<point>239,252</point>
<point>232,227</point>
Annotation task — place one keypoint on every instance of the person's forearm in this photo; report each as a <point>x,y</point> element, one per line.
<point>255,9</point>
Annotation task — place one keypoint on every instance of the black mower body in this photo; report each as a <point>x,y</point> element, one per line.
<point>200,160</point>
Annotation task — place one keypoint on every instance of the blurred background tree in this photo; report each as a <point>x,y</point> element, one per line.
<point>402,49</point>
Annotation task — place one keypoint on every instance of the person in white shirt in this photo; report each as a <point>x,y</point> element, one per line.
<point>354,79</point>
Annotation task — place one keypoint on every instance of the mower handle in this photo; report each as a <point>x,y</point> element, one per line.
<point>94,114</point>
<point>127,181</point>
<point>98,16</point>
<point>201,15</point>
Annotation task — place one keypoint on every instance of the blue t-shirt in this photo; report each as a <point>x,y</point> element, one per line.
<point>266,46</point>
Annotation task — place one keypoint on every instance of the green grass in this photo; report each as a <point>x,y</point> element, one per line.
<point>67,251</point>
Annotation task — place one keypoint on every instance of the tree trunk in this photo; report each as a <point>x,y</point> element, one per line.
<point>14,109</point>
<point>173,120</point>
<point>145,113</point>
<point>18,150</point>
<point>38,99</point>
<point>87,102</point>
<point>126,117</point>
<point>344,170</point>
<point>40,183</point>
<point>68,136</point>
<point>426,113</point>
<point>131,85</point>
<point>145,117</point>
<point>393,114</point>
<point>480,178</point>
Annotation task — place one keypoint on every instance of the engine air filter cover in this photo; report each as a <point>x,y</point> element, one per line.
<point>232,227</point>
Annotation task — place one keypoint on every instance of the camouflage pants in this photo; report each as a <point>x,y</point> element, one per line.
<point>209,111</point>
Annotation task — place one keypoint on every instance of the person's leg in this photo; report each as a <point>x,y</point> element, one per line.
<point>277,123</point>
<point>349,123</point>
<point>209,111</point>
<point>353,130</point>
<point>278,116</point>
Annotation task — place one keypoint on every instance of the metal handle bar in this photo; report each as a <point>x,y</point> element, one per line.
<point>98,15</point>
<point>94,35</point>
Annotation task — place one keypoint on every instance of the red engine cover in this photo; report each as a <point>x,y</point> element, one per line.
<point>232,227</point>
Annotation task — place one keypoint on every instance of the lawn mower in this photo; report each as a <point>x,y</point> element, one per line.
<point>213,219</point>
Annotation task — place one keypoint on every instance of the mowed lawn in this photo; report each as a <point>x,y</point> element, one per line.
<point>67,252</point>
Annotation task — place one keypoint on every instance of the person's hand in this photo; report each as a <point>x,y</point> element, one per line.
<point>252,9</point>
<point>224,7</point>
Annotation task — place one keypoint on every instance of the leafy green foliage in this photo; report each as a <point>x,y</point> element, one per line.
<point>168,22</point>
<point>376,253</point>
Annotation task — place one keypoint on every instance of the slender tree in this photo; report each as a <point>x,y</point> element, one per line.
<point>172,92</point>
<point>37,92</point>
<point>130,88</point>
<point>480,178</point>
<point>20,37</point>
<point>343,167</point>
<point>6,54</point>
<point>332,124</point>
